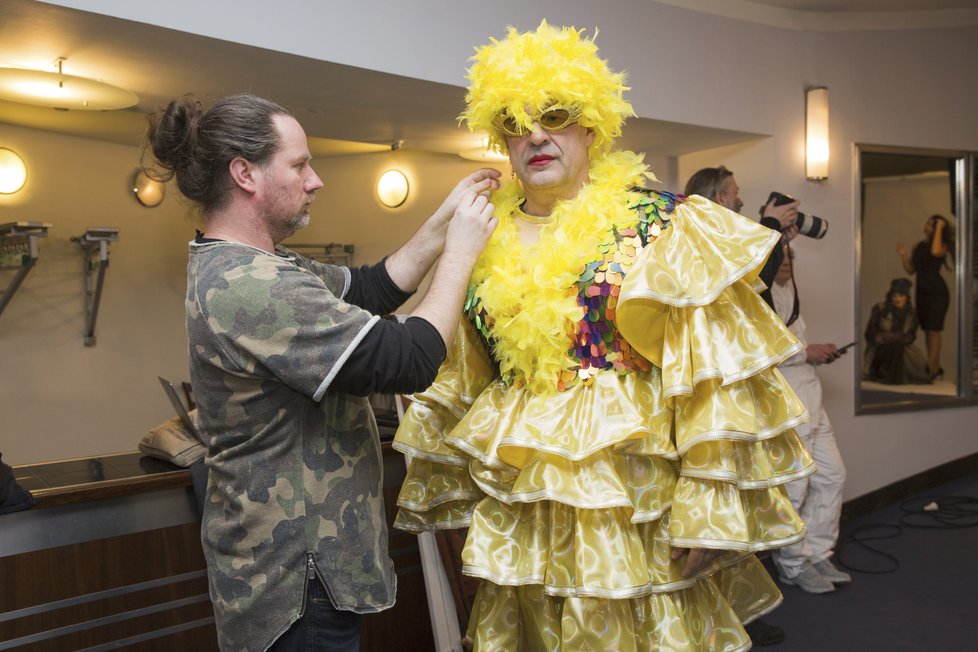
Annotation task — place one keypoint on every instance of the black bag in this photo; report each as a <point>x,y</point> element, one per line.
<point>12,497</point>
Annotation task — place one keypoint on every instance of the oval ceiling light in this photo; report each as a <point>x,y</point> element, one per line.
<point>483,154</point>
<point>392,188</point>
<point>13,171</point>
<point>59,91</point>
<point>148,191</point>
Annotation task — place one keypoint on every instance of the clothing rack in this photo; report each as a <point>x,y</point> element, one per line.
<point>19,247</point>
<point>94,242</point>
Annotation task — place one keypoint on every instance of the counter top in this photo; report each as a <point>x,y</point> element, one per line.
<point>94,478</point>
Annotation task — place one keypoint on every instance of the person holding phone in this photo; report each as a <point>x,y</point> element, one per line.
<point>817,498</point>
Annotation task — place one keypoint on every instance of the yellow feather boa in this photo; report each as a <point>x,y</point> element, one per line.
<point>530,292</point>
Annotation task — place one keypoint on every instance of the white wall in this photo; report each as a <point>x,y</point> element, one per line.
<point>886,87</point>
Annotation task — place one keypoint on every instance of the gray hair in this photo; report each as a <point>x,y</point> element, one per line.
<point>707,182</point>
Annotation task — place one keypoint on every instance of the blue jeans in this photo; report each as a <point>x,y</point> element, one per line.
<point>321,627</point>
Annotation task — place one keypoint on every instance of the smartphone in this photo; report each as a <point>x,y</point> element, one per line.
<point>843,349</point>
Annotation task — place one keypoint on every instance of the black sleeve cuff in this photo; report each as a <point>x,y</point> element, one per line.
<point>373,289</point>
<point>393,359</point>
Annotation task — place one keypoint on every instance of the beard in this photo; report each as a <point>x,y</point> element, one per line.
<point>283,224</point>
<point>298,222</point>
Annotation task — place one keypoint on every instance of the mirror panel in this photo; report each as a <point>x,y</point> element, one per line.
<point>914,302</point>
<point>970,264</point>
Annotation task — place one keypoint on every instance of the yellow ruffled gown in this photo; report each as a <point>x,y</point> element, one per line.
<point>671,427</point>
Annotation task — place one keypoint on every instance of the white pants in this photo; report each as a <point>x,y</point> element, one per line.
<point>817,498</point>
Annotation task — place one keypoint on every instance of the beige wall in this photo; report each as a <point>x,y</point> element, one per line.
<point>60,399</point>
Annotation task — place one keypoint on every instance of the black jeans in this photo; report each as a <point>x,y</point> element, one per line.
<point>321,627</point>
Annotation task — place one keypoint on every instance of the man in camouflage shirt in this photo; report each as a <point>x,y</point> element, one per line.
<point>283,351</point>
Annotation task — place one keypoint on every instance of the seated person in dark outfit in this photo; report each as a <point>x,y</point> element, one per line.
<point>891,356</point>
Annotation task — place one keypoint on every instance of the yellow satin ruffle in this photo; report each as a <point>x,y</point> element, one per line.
<point>705,617</point>
<point>614,442</point>
<point>687,304</point>
<point>705,249</point>
<point>591,552</point>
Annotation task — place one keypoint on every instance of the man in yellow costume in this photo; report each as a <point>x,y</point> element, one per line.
<point>610,424</point>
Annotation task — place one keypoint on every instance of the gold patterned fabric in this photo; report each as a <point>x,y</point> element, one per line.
<point>574,499</point>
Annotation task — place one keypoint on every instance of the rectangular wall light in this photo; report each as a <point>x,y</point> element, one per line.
<point>817,133</point>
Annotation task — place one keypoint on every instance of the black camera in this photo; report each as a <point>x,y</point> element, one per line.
<point>808,225</point>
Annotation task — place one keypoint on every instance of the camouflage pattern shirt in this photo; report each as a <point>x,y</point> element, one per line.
<point>294,470</point>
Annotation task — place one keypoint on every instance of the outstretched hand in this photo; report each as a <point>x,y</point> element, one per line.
<point>482,181</point>
<point>473,223</point>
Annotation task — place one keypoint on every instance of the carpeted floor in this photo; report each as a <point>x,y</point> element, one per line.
<point>918,592</point>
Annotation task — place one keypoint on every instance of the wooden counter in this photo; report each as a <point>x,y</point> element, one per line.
<point>110,557</point>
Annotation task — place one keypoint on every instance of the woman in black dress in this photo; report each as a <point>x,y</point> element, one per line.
<point>931,296</point>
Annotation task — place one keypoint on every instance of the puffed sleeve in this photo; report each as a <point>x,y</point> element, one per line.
<point>690,305</point>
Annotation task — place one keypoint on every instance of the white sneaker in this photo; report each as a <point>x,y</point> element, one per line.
<point>829,571</point>
<point>809,580</point>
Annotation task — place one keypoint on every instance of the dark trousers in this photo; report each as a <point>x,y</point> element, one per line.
<point>321,627</point>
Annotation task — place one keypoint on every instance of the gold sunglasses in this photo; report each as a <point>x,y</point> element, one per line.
<point>553,119</point>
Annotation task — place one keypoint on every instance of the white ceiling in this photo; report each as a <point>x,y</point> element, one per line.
<point>345,110</point>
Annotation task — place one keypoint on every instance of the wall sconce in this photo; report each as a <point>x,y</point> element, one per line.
<point>392,188</point>
<point>817,134</point>
<point>13,172</point>
<point>59,91</point>
<point>148,191</point>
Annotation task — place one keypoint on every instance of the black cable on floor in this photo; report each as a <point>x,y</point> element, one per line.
<point>859,536</point>
<point>925,512</point>
<point>940,512</point>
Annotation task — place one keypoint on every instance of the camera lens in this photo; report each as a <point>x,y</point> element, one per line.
<point>811,226</point>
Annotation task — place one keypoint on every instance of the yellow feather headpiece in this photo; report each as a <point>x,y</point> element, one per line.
<point>526,73</point>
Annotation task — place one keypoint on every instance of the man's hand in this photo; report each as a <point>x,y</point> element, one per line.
<point>697,558</point>
<point>482,181</point>
<point>408,265</point>
<point>785,214</point>
<point>817,354</point>
<point>473,223</point>
<point>466,236</point>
